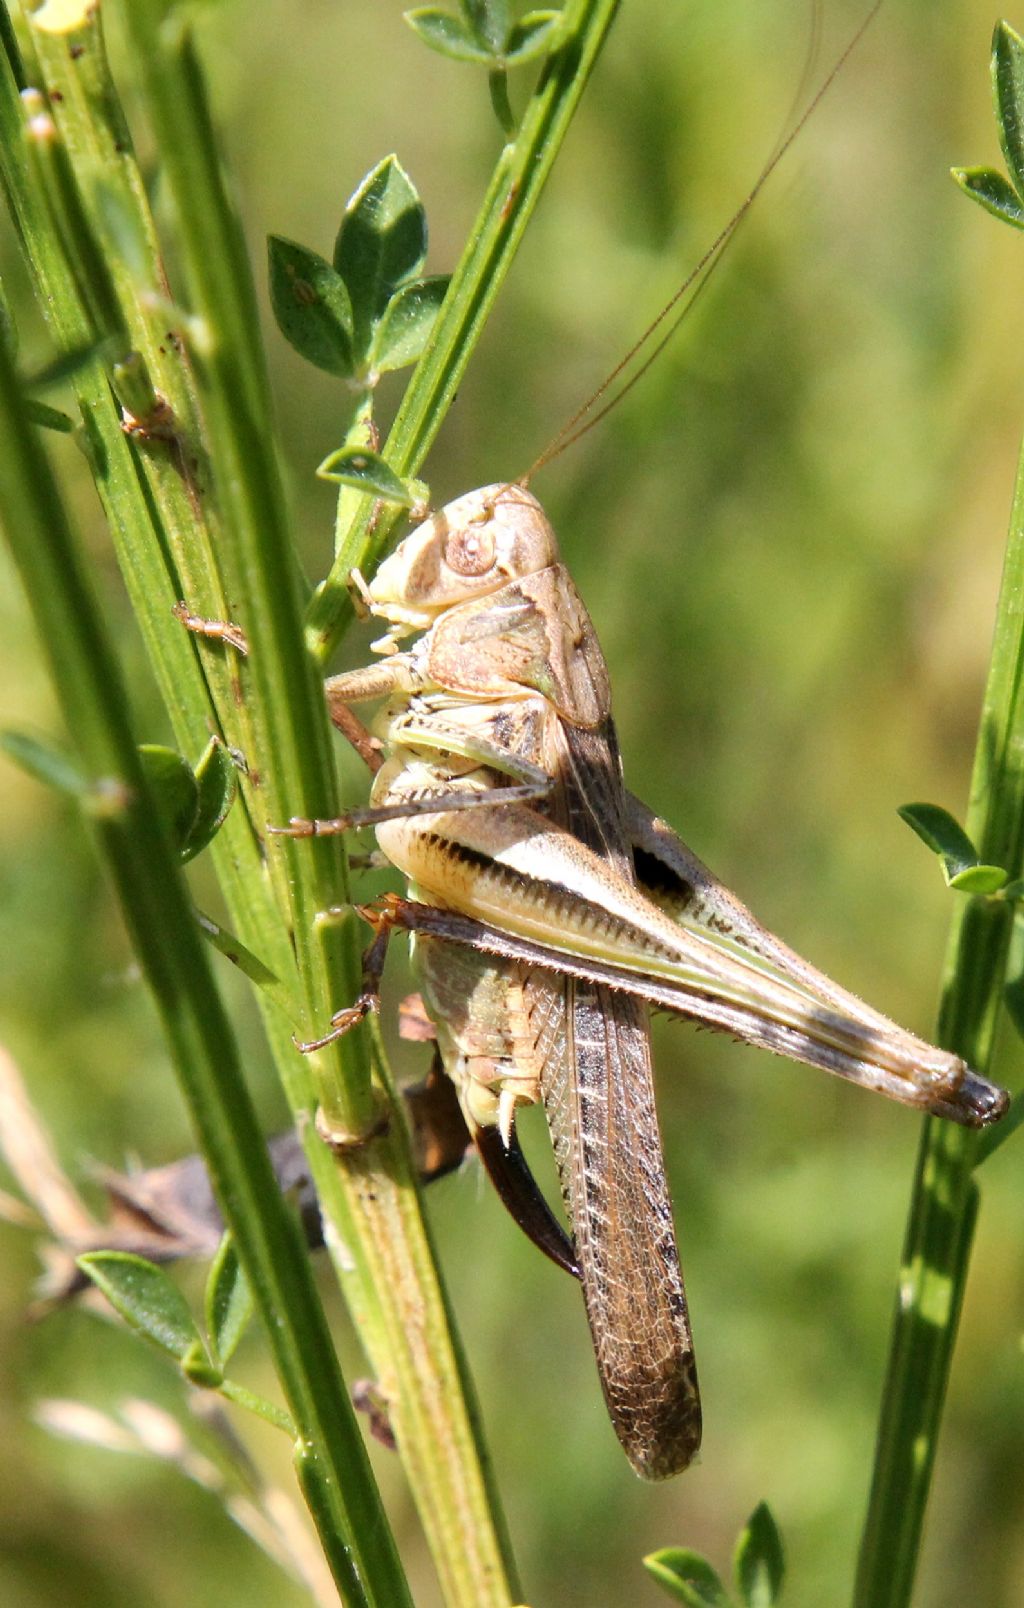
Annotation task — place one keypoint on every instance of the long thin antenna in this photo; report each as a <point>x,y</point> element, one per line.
<point>584,420</point>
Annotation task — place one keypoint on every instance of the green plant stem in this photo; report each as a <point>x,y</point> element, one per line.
<point>944,1204</point>
<point>154,522</point>
<point>405,1327</point>
<point>514,190</point>
<point>172,538</point>
<point>158,912</point>
<point>289,740</point>
<point>374,1227</point>
<point>231,1390</point>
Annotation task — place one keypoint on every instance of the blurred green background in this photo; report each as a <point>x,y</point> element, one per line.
<point>789,537</point>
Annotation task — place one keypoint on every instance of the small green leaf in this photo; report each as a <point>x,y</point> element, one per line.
<point>979,879</point>
<point>446,34</point>
<point>367,472</point>
<point>145,1297</point>
<point>687,1577</point>
<point>45,762</point>
<point>758,1562</point>
<point>199,1370</point>
<point>217,783</point>
<point>1012,891</point>
<point>532,36</point>
<point>488,22</point>
<point>381,244</point>
<point>233,949</point>
<point>49,418</point>
<point>944,835</point>
<point>941,832</point>
<point>497,88</point>
<point>311,305</point>
<point>408,320</point>
<point>993,192</point>
<point>174,788</point>
<point>1008,89</point>
<point>228,1301</point>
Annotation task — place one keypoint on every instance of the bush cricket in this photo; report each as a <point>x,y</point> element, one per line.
<point>551,910</point>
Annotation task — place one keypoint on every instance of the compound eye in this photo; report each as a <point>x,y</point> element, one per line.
<point>470,551</point>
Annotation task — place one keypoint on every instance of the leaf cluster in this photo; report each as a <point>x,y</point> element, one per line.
<point>484,32</point>
<point>369,310</point>
<point>758,1567</point>
<point>1001,195</point>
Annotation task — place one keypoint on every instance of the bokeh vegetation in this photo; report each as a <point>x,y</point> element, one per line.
<point>789,537</point>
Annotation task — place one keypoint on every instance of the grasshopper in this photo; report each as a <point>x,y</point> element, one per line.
<point>551,910</point>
